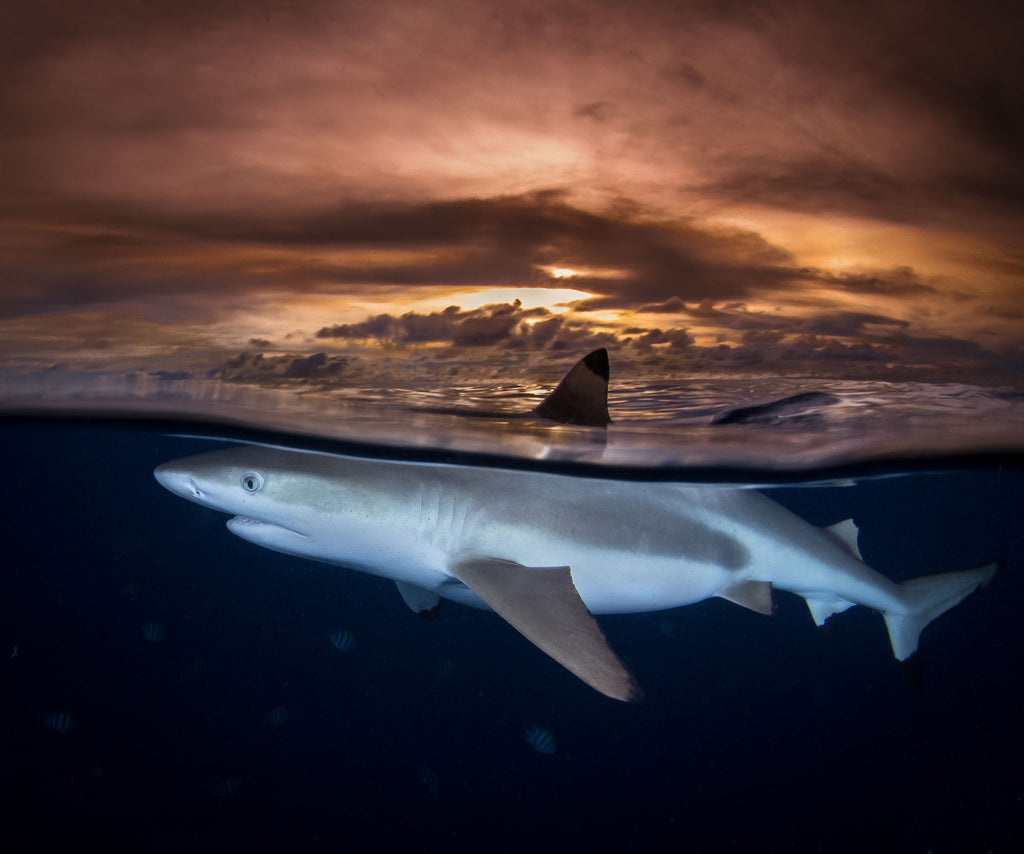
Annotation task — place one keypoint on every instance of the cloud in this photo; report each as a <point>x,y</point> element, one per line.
<point>485,326</point>
<point>221,166</point>
<point>815,186</point>
<point>276,370</point>
<point>896,282</point>
<point>507,325</point>
<point>502,341</point>
<point>962,193</point>
<point>506,240</point>
<point>839,341</point>
<point>882,109</point>
<point>599,111</point>
<point>503,241</point>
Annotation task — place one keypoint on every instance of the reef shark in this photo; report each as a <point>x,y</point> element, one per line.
<point>548,551</point>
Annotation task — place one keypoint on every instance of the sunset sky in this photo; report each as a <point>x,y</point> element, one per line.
<point>823,187</point>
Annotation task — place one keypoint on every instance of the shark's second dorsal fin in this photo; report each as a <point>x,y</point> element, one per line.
<point>582,395</point>
<point>543,604</point>
<point>847,532</point>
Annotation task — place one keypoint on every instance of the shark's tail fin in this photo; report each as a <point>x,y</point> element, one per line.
<point>927,598</point>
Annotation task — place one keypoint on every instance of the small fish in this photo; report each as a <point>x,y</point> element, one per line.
<point>133,590</point>
<point>343,639</point>
<point>154,632</point>
<point>540,739</point>
<point>228,787</point>
<point>62,722</point>
<point>197,668</point>
<point>276,716</point>
<point>428,777</point>
<point>445,669</point>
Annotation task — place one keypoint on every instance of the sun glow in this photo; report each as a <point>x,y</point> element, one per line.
<point>555,300</point>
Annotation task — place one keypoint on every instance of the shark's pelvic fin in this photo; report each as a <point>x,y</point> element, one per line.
<point>421,601</point>
<point>542,603</point>
<point>755,595</point>
<point>927,598</point>
<point>582,395</point>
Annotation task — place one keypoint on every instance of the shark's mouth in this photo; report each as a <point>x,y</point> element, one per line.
<point>249,525</point>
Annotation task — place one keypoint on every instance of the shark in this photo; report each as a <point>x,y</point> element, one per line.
<point>548,551</point>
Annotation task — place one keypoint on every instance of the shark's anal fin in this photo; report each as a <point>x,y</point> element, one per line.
<point>421,601</point>
<point>582,395</point>
<point>755,595</point>
<point>822,609</point>
<point>542,603</point>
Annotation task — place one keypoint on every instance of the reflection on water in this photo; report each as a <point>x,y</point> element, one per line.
<point>662,425</point>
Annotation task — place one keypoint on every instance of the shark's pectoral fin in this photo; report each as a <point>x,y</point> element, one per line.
<point>542,603</point>
<point>421,601</point>
<point>755,595</point>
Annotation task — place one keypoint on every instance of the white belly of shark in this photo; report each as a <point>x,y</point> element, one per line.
<point>548,551</point>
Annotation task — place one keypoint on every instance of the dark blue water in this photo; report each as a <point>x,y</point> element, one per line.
<point>205,705</point>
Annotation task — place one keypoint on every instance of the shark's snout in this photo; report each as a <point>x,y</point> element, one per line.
<point>177,481</point>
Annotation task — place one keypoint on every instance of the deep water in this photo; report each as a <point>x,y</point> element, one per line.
<point>166,686</point>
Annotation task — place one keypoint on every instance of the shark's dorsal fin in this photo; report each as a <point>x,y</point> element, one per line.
<point>755,595</point>
<point>543,604</point>
<point>582,395</point>
<point>421,601</point>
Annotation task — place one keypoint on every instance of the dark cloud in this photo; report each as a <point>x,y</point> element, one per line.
<point>960,193</point>
<point>896,282</point>
<point>282,369</point>
<point>758,340</point>
<point>646,339</point>
<point>762,326</point>
<point>851,324</point>
<point>504,241</point>
<point>940,93</point>
<point>507,324</point>
<point>817,185</point>
<point>599,111</point>
<point>673,305</point>
<point>851,345</point>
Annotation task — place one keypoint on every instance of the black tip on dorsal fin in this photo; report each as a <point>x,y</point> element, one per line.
<point>598,363</point>
<point>582,395</point>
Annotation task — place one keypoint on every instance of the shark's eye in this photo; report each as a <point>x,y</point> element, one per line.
<point>252,482</point>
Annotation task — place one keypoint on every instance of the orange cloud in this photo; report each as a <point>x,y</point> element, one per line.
<point>818,177</point>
